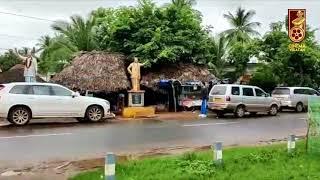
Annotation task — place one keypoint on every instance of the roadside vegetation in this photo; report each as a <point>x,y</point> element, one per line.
<point>241,163</point>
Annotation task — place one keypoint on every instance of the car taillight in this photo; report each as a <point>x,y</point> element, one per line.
<point>228,98</point>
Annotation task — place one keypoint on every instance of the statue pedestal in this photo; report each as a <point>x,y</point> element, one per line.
<point>136,107</point>
<point>136,98</point>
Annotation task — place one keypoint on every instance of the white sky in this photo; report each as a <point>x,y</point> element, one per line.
<point>18,31</point>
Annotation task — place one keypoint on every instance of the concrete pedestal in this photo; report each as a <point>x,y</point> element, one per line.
<point>136,98</point>
<point>136,106</point>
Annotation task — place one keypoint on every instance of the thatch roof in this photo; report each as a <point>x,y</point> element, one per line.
<point>95,71</point>
<point>15,74</point>
<point>181,72</point>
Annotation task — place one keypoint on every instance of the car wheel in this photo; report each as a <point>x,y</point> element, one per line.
<point>94,114</point>
<point>299,107</point>
<point>19,116</point>
<point>240,111</point>
<point>273,110</point>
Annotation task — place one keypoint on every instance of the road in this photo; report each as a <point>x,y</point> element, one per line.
<point>40,142</point>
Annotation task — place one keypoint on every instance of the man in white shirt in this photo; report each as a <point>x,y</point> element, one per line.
<point>30,66</point>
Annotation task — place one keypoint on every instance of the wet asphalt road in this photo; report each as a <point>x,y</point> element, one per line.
<point>53,141</point>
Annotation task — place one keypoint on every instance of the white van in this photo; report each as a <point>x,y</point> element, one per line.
<point>239,99</point>
<point>294,97</point>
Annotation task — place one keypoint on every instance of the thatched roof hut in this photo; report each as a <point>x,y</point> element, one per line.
<point>15,74</point>
<point>95,71</point>
<point>180,72</point>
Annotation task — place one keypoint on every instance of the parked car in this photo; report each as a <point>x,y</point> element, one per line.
<point>239,99</point>
<point>19,102</point>
<point>294,97</point>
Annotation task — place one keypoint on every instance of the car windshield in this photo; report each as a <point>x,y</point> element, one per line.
<point>281,91</point>
<point>218,90</point>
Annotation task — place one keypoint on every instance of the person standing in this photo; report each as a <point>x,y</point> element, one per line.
<point>30,66</point>
<point>204,97</point>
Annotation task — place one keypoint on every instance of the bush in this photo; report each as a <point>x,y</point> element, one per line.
<point>264,78</point>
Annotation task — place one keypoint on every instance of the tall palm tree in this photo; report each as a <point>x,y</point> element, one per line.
<point>181,3</point>
<point>44,42</point>
<point>219,62</point>
<point>79,32</point>
<point>242,27</point>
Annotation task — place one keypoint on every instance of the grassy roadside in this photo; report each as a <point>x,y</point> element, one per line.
<point>243,163</point>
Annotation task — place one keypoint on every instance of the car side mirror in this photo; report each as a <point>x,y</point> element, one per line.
<point>266,95</point>
<point>75,94</point>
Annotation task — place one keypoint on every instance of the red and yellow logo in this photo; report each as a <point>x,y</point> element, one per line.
<point>297,24</point>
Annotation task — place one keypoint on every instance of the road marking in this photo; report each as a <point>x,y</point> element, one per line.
<point>208,124</point>
<point>34,135</point>
<point>303,118</point>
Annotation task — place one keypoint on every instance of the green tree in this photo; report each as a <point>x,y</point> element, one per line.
<point>159,35</point>
<point>265,78</point>
<point>242,28</point>
<point>291,68</point>
<point>56,52</point>
<point>79,33</point>
<point>8,60</point>
<point>239,56</point>
<point>219,63</point>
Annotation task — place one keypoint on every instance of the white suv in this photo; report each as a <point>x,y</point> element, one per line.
<point>19,102</point>
<point>294,97</point>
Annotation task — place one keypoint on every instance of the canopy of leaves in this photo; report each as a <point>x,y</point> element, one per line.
<point>291,68</point>
<point>159,35</point>
<point>55,54</point>
<point>242,28</point>
<point>8,60</point>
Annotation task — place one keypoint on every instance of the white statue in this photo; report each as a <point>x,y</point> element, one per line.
<point>30,66</point>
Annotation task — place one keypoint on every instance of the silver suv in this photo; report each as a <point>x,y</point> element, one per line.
<point>294,97</point>
<point>239,99</point>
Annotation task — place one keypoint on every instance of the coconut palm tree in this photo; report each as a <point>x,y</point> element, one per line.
<point>79,32</point>
<point>219,62</point>
<point>181,3</point>
<point>242,28</point>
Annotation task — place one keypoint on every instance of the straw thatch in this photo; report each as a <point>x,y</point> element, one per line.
<point>95,71</point>
<point>15,74</point>
<point>180,72</point>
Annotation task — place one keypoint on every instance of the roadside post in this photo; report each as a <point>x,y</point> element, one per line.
<point>291,143</point>
<point>110,167</point>
<point>217,153</point>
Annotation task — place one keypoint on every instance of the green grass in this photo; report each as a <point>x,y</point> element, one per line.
<point>245,163</point>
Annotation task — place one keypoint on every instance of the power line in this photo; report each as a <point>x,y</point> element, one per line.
<point>25,16</point>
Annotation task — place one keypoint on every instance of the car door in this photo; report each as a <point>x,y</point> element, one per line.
<point>44,102</point>
<point>248,98</point>
<point>306,93</point>
<point>67,105</point>
<point>21,94</point>
<point>262,101</point>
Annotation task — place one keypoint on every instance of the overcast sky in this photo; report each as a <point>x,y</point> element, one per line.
<point>18,31</point>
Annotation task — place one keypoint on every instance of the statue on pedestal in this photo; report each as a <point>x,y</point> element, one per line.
<point>134,71</point>
<point>30,66</point>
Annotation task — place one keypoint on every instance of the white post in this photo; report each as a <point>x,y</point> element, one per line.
<point>110,167</point>
<point>291,143</point>
<point>217,152</point>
